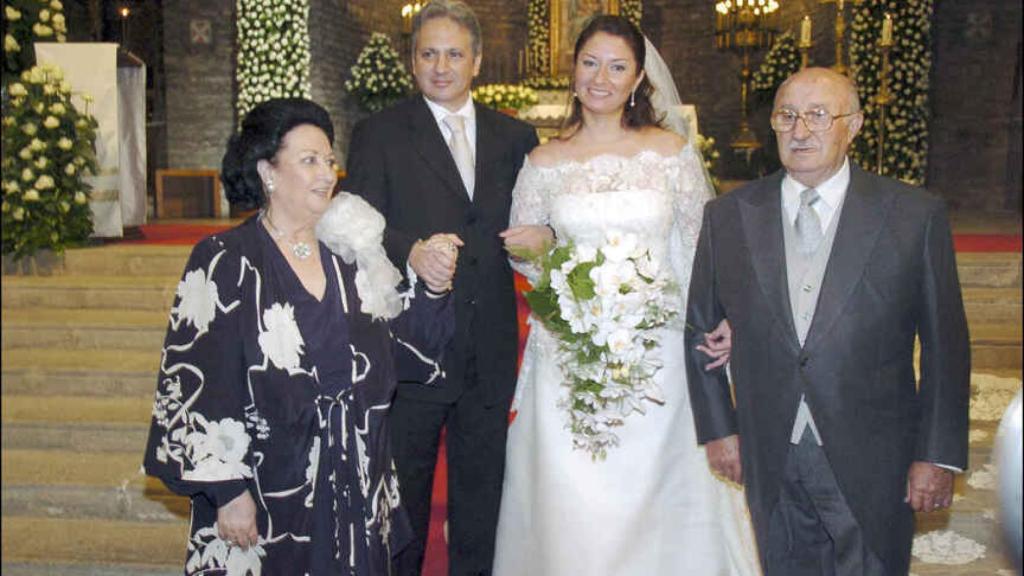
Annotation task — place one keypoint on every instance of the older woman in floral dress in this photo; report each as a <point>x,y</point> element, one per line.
<point>285,344</point>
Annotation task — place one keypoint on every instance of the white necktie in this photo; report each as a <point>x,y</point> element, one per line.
<point>808,225</point>
<point>461,151</point>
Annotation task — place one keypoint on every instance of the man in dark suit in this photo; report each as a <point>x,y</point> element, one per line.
<point>826,274</point>
<point>441,168</point>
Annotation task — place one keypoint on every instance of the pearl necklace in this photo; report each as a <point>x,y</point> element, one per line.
<point>300,250</point>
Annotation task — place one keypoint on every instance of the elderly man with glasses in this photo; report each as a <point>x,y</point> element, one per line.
<point>827,274</point>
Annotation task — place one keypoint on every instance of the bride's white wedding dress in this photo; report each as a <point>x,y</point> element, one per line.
<point>652,507</point>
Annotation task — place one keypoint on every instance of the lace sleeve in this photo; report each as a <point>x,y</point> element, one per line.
<point>692,189</point>
<point>530,205</point>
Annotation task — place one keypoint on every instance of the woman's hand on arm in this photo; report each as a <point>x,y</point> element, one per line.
<point>526,241</point>
<point>236,521</point>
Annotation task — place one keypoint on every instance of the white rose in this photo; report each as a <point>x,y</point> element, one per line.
<point>10,44</point>
<point>42,30</point>
<point>70,169</point>
<point>11,13</point>
<point>51,122</point>
<point>29,129</point>
<point>30,196</point>
<point>56,5</point>
<point>65,143</point>
<point>42,162</point>
<point>44,182</point>
<point>25,153</point>
<point>28,175</point>
<point>17,90</point>
<point>37,145</point>
<point>18,214</point>
<point>81,198</point>
<point>44,15</point>
<point>58,108</point>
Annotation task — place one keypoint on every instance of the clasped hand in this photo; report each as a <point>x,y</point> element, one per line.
<point>524,242</point>
<point>434,260</point>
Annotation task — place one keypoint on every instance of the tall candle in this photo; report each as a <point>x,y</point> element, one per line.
<point>805,31</point>
<point>887,30</point>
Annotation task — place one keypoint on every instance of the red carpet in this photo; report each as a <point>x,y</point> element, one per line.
<point>436,563</point>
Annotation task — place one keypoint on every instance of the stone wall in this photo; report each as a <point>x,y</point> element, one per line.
<point>200,83</point>
<point>975,156</point>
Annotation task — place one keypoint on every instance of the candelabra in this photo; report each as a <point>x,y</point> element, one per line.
<point>884,97</point>
<point>744,26</point>
<point>839,66</point>
<point>805,40</point>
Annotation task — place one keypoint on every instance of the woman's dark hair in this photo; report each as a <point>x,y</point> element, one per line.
<point>263,129</point>
<point>642,112</point>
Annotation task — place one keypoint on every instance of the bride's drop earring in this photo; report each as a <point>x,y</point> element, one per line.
<point>632,98</point>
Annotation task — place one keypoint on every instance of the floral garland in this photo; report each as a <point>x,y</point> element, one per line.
<point>603,304</point>
<point>782,60</point>
<point>709,155</point>
<point>538,40</point>
<point>633,10</point>
<point>48,146</point>
<point>26,21</point>
<point>910,61</point>
<point>379,78</point>
<point>273,51</point>
<point>505,96</point>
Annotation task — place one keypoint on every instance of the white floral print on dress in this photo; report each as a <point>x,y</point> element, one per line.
<point>198,304</point>
<point>281,340</point>
<point>217,450</point>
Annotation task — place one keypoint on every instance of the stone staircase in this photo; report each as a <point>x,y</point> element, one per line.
<point>79,357</point>
<point>79,354</point>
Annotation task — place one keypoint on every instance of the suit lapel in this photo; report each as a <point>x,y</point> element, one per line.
<point>762,224</point>
<point>430,145</point>
<point>860,222</point>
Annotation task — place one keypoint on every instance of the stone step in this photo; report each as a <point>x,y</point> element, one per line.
<point>129,438</point>
<point>66,468</point>
<point>82,569</point>
<point>152,545</point>
<point>989,269</point>
<point>139,501</point>
<point>124,373</point>
<point>131,260</point>
<point>84,329</point>
<point>993,305</point>
<point>105,292</point>
<point>995,346</point>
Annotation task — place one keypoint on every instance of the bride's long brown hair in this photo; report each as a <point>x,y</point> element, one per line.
<point>641,113</point>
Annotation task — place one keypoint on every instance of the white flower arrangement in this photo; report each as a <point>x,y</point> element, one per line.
<point>26,21</point>
<point>782,60</point>
<point>48,149</point>
<point>709,155</point>
<point>505,96</point>
<point>603,304</point>
<point>273,51</point>
<point>378,78</point>
<point>910,61</point>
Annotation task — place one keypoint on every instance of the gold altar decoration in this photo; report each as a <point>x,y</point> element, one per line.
<point>884,97</point>
<point>745,26</point>
<point>839,65</point>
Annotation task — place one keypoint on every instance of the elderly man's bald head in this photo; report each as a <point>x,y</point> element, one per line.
<point>842,83</point>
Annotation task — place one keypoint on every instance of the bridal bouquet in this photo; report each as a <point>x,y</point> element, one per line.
<point>603,305</point>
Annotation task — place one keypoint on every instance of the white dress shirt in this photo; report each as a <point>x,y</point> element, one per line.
<point>467,111</point>
<point>830,191</point>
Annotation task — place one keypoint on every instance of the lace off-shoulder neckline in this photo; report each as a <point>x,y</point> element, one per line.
<point>612,157</point>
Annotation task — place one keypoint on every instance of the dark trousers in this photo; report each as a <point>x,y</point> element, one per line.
<point>812,530</point>
<point>475,446</point>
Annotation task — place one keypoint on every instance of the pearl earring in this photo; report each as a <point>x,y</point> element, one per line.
<point>269,184</point>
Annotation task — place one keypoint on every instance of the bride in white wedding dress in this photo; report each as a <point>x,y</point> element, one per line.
<point>652,506</point>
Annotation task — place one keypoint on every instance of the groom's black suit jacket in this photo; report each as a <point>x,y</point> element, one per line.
<point>891,276</point>
<point>400,163</point>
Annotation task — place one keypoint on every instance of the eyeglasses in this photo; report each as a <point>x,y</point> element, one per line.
<point>817,120</point>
